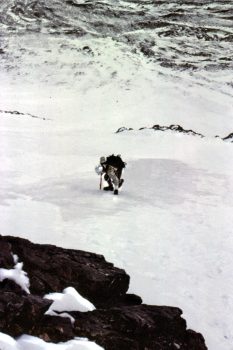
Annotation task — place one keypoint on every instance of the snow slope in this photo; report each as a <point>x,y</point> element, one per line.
<point>170,227</point>
<point>68,81</point>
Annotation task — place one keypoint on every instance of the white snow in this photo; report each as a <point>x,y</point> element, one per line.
<point>17,275</point>
<point>171,226</point>
<point>27,342</point>
<point>7,342</point>
<point>69,300</point>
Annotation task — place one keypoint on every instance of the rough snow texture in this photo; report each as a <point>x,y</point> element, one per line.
<point>121,323</point>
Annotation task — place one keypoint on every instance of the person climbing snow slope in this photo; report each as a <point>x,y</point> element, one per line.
<point>111,167</point>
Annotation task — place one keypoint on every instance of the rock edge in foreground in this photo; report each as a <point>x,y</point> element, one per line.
<point>120,321</point>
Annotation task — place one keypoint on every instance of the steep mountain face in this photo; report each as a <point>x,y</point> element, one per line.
<point>172,59</point>
<point>189,36</point>
<point>72,73</point>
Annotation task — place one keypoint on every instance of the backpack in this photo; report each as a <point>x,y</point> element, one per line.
<point>115,161</point>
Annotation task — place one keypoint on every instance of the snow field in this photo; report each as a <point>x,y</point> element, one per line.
<point>170,227</point>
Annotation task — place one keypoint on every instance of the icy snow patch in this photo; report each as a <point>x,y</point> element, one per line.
<point>7,342</point>
<point>69,300</point>
<point>17,275</point>
<point>27,342</point>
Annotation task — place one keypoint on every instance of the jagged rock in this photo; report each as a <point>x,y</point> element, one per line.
<point>172,127</point>
<point>10,286</point>
<point>138,327</point>
<point>228,138</point>
<point>6,257</point>
<point>159,127</point>
<point>88,50</point>
<point>176,128</point>
<point>54,329</point>
<point>120,321</point>
<point>25,314</point>
<point>51,269</point>
<point>146,49</point>
<point>20,314</point>
<point>179,128</point>
<point>123,128</point>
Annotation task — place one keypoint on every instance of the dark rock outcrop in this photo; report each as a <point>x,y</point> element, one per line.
<point>21,313</point>
<point>123,128</point>
<point>138,327</point>
<point>172,127</point>
<point>19,114</point>
<point>6,256</point>
<point>176,129</point>
<point>228,138</point>
<point>120,321</point>
<point>51,269</point>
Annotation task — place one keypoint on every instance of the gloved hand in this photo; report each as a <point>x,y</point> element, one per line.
<point>99,169</point>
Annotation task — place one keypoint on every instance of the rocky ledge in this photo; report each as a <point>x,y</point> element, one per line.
<point>119,320</point>
<point>172,127</point>
<point>228,138</point>
<point>175,129</point>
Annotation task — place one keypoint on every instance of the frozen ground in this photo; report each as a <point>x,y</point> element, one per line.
<point>170,228</point>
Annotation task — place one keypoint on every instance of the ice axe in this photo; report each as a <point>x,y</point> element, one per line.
<point>100,181</point>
